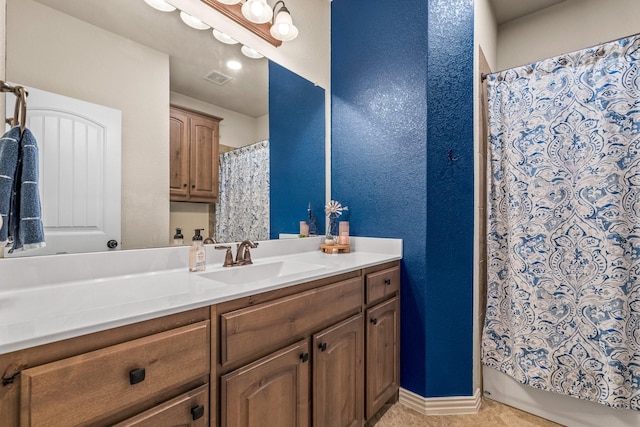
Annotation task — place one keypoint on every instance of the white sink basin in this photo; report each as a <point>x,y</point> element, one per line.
<point>257,272</point>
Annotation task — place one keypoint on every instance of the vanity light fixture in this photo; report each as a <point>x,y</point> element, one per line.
<point>234,65</point>
<point>224,38</point>
<point>160,5</point>
<point>283,28</point>
<point>193,22</point>
<point>250,53</point>
<point>257,11</point>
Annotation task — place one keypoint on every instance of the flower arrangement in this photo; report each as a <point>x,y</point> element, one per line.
<point>333,210</point>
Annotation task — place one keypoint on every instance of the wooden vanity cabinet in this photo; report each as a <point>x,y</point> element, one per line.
<point>107,377</point>
<point>324,353</point>
<point>382,325</point>
<point>193,162</point>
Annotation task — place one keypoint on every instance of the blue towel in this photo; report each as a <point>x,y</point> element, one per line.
<point>24,223</point>
<point>9,144</point>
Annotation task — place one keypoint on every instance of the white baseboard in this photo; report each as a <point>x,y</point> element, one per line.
<point>441,405</point>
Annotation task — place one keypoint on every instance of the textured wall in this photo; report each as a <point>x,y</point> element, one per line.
<point>297,144</point>
<point>402,160</point>
<point>449,310</point>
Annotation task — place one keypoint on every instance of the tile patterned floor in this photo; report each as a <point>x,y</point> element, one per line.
<point>491,414</point>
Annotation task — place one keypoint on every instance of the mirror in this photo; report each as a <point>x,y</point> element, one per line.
<point>112,54</point>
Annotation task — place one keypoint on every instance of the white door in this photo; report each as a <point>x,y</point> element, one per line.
<point>79,146</point>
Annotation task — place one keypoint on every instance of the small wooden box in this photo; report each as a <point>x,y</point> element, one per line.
<point>329,249</point>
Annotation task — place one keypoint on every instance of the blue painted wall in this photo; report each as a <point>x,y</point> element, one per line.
<point>297,150</point>
<point>402,160</point>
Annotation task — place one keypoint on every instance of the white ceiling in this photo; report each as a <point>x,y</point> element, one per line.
<point>508,10</point>
<point>192,53</point>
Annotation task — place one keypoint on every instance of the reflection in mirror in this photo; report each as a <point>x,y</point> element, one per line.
<point>127,56</point>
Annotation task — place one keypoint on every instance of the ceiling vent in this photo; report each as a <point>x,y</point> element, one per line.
<point>217,78</point>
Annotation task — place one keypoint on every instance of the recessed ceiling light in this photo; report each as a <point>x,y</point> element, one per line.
<point>193,22</point>
<point>250,53</point>
<point>234,65</point>
<point>224,38</point>
<point>229,1</point>
<point>160,5</point>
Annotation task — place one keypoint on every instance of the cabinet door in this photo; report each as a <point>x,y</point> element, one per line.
<point>338,369</point>
<point>190,409</point>
<point>383,363</point>
<point>179,155</point>
<point>204,159</point>
<point>271,392</point>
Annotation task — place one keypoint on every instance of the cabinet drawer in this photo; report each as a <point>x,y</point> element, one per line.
<point>83,389</point>
<point>255,330</point>
<point>190,409</point>
<point>382,283</point>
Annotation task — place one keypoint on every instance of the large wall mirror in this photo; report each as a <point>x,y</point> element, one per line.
<point>124,55</point>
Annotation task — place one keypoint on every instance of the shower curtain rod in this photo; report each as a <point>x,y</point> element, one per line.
<point>483,76</point>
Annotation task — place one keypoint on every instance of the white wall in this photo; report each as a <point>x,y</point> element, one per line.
<point>565,27</point>
<point>236,130</point>
<point>485,35</point>
<point>114,72</point>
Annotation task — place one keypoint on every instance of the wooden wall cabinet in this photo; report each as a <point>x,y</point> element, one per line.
<point>193,162</point>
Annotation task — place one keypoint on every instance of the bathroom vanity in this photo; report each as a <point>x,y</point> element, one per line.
<point>298,339</point>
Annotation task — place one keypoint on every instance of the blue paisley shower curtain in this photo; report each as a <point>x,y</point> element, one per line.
<point>563,303</point>
<point>243,208</point>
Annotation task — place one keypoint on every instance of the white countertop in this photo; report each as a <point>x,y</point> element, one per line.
<point>40,310</point>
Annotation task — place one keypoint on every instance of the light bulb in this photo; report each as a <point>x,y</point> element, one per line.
<point>257,11</point>
<point>248,52</point>
<point>160,5</point>
<point>257,8</point>
<point>234,65</point>
<point>224,38</point>
<point>193,22</point>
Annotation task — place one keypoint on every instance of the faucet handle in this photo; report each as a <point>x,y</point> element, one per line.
<point>228,257</point>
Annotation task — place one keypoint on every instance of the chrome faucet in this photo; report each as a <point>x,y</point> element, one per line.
<point>209,241</point>
<point>243,256</point>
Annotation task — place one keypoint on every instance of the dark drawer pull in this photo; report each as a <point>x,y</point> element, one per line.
<point>197,412</point>
<point>374,321</point>
<point>136,376</point>
<point>387,282</point>
<point>322,346</point>
<point>304,357</point>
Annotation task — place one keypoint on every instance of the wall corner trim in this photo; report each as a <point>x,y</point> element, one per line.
<point>441,405</point>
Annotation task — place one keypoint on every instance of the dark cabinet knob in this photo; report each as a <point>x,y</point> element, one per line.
<point>136,376</point>
<point>374,321</point>
<point>112,244</point>
<point>387,282</point>
<point>304,357</point>
<point>185,185</point>
<point>197,412</point>
<point>322,346</point>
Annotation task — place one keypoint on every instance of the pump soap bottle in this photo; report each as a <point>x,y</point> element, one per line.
<point>178,238</point>
<point>197,253</point>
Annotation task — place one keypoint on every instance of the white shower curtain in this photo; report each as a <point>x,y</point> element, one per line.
<point>243,208</point>
<point>563,303</point>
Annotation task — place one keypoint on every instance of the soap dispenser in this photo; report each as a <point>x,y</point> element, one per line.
<point>197,253</point>
<point>178,238</point>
